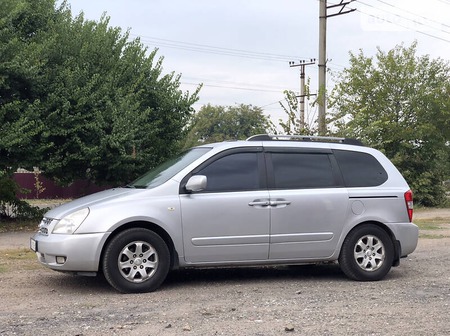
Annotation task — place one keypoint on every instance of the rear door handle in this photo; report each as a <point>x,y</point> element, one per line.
<point>279,203</point>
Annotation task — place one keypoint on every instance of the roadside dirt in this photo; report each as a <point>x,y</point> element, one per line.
<point>414,298</point>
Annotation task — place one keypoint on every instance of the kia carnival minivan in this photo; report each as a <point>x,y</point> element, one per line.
<point>270,200</point>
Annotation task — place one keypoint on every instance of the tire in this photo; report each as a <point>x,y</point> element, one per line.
<point>367,253</point>
<point>137,260</point>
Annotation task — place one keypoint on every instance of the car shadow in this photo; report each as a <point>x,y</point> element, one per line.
<point>246,275</point>
<point>200,277</point>
<point>70,283</point>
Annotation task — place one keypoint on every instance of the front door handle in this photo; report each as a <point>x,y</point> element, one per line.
<point>260,203</point>
<point>278,203</point>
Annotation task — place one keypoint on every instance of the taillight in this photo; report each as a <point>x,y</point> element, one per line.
<point>409,204</point>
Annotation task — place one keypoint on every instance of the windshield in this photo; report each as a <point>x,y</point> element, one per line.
<point>168,169</point>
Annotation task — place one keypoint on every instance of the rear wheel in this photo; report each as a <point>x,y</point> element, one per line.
<point>367,253</point>
<point>137,260</point>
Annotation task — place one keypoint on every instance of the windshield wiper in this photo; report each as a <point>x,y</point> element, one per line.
<point>134,186</point>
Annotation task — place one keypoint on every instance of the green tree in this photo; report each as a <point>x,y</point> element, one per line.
<point>219,123</point>
<point>20,22</point>
<point>400,103</point>
<point>79,99</point>
<point>292,125</point>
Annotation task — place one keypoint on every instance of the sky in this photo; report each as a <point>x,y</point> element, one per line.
<point>240,49</point>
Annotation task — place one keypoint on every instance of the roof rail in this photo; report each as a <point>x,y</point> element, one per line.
<point>281,137</point>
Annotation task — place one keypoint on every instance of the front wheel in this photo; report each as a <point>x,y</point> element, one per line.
<point>137,260</point>
<point>367,253</point>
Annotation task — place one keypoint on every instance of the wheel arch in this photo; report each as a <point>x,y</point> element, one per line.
<point>174,262</point>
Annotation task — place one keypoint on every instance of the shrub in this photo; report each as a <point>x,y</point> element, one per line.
<point>11,206</point>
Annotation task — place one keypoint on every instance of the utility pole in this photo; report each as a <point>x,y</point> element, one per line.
<point>323,15</point>
<point>302,95</point>
<point>322,66</point>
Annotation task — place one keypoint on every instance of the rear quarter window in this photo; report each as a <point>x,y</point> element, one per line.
<point>360,169</point>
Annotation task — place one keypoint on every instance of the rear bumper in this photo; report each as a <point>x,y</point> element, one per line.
<point>70,253</point>
<point>407,234</point>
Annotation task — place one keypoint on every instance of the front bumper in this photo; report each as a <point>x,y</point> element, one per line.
<point>70,253</point>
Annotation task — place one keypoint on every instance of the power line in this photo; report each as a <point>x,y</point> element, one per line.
<point>408,28</point>
<point>335,65</point>
<point>403,26</point>
<point>233,82</point>
<point>203,48</point>
<point>407,11</point>
<point>233,87</point>
<point>277,102</point>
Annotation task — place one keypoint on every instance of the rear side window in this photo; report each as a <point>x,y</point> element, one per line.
<point>360,169</point>
<point>302,170</point>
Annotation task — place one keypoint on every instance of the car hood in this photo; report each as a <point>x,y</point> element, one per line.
<point>90,200</point>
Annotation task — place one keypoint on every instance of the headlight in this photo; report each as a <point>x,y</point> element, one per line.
<point>70,223</point>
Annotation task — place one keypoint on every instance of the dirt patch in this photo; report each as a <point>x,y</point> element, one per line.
<point>315,300</point>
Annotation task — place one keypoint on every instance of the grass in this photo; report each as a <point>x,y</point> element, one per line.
<point>433,228</point>
<point>436,223</point>
<point>11,225</point>
<point>433,236</point>
<point>10,259</point>
<point>47,202</point>
<point>18,254</point>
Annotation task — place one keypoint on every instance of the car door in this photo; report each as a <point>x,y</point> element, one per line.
<point>228,221</point>
<point>308,203</point>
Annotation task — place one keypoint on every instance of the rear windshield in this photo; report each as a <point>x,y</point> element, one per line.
<point>168,169</point>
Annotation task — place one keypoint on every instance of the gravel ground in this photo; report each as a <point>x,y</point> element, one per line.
<point>413,299</point>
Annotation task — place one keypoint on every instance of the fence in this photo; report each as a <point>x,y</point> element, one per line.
<point>39,187</point>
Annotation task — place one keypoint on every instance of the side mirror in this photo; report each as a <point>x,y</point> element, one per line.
<point>196,183</point>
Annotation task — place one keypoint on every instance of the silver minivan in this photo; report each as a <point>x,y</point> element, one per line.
<point>270,200</point>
